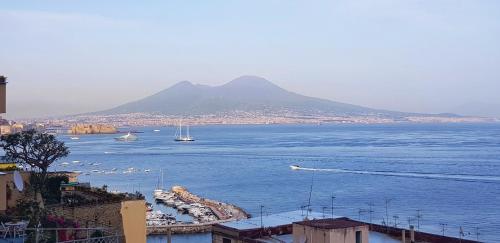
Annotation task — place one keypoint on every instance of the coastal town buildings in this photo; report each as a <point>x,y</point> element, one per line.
<point>301,227</point>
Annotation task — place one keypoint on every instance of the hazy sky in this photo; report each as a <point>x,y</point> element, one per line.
<point>422,56</point>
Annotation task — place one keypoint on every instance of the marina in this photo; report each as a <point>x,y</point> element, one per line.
<point>205,212</point>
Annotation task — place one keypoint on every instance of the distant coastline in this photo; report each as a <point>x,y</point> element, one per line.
<point>147,119</point>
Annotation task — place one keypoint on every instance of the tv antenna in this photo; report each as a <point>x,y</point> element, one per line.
<point>395,220</point>
<point>387,201</point>
<point>443,227</point>
<point>370,210</point>
<point>310,195</point>
<point>410,220</point>
<point>419,216</point>
<point>461,233</point>
<point>261,220</point>
<point>333,198</point>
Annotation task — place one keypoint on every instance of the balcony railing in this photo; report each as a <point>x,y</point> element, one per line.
<point>62,235</point>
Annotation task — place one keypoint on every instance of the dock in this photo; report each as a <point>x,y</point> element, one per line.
<point>205,212</point>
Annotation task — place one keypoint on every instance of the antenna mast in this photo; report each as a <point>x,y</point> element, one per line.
<point>310,194</point>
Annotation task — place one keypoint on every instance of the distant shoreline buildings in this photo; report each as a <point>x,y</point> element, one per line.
<point>242,118</point>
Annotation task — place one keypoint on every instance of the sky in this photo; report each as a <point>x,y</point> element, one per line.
<point>432,56</point>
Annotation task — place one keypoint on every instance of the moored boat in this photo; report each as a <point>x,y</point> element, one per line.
<point>180,138</point>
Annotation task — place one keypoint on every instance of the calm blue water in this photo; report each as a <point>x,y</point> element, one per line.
<point>249,166</point>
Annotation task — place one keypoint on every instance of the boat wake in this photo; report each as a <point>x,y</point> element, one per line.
<point>407,174</point>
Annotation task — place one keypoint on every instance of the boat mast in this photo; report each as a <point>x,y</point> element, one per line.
<point>188,131</point>
<point>180,129</point>
<point>161,179</point>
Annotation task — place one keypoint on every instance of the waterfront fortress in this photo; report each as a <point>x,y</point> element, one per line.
<point>92,129</point>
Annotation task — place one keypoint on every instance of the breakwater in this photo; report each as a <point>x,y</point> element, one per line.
<point>205,212</point>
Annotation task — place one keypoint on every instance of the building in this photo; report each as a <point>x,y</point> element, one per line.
<point>299,227</point>
<point>3,94</point>
<point>123,215</point>
<point>331,230</point>
<point>274,226</point>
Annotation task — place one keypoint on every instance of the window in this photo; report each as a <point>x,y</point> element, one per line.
<point>359,238</point>
<point>226,240</point>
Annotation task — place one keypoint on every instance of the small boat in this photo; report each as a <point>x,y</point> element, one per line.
<point>147,170</point>
<point>180,138</point>
<point>74,138</point>
<point>156,130</point>
<point>64,163</point>
<point>76,161</point>
<point>128,137</point>
<point>295,167</point>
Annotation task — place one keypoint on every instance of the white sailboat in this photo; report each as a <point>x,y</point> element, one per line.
<point>180,138</point>
<point>159,187</point>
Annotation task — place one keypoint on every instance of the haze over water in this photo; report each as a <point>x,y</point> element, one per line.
<point>450,172</point>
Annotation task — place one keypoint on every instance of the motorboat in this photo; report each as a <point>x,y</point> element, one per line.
<point>295,167</point>
<point>127,137</point>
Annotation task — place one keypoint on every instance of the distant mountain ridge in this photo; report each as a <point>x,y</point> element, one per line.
<point>243,94</point>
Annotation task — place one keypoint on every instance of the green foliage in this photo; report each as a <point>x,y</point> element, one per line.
<point>30,209</point>
<point>37,150</point>
<point>52,192</point>
<point>97,233</point>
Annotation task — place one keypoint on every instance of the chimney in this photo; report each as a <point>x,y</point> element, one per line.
<point>403,236</point>
<point>412,234</point>
<point>3,94</point>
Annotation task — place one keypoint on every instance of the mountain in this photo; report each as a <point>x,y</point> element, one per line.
<point>243,94</point>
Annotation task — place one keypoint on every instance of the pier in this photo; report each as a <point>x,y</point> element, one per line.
<point>205,212</point>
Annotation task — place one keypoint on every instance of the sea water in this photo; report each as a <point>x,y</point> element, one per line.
<point>429,174</point>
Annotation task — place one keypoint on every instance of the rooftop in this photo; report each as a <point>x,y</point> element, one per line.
<point>273,220</point>
<point>338,223</point>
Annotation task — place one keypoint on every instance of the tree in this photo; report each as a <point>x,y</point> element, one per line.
<point>37,150</point>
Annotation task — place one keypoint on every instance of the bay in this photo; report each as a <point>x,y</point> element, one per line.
<point>449,172</point>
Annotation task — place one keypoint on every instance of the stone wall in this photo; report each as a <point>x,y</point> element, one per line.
<point>92,216</point>
<point>127,218</point>
<point>92,129</point>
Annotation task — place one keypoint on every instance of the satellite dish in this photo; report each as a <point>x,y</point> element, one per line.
<point>18,181</point>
